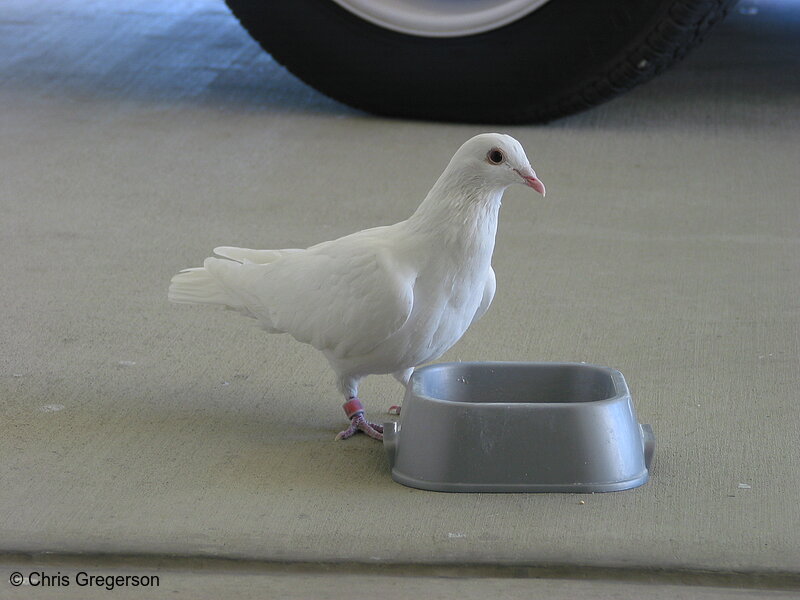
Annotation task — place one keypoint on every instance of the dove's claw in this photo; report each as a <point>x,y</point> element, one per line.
<point>394,409</point>
<point>359,423</point>
<point>355,412</point>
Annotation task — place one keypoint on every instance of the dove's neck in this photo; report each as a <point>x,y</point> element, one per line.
<point>460,210</point>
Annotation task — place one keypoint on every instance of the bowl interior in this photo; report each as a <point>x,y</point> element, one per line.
<point>516,383</point>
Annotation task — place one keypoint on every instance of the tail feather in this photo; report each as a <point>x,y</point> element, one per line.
<point>223,282</point>
<point>248,255</point>
<point>197,286</point>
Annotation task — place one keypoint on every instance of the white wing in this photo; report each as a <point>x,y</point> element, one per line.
<point>345,296</point>
<point>488,296</point>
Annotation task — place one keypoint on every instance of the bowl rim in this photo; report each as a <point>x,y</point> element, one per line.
<point>617,379</point>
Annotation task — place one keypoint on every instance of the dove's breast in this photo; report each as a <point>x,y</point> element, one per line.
<point>452,300</point>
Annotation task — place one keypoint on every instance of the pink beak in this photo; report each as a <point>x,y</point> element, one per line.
<point>532,181</point>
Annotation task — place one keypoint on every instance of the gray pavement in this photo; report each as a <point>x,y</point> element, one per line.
<point>137,136</point>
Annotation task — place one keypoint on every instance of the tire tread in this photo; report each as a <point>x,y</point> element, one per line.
<point>686,25</point>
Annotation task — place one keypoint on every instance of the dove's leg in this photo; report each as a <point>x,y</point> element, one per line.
<point>355,412</point>
<point>403,377</point>
<point>348,385</point>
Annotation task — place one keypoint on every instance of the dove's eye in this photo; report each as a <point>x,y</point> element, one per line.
<point>495,156</point>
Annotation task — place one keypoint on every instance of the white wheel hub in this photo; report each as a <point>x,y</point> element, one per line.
<point>441,18</point>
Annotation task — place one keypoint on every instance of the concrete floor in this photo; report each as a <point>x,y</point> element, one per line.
<point>138,135</point>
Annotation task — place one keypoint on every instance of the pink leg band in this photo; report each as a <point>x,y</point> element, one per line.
<point>352,407</point>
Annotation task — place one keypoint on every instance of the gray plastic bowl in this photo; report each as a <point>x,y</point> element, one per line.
<point>518,427</point>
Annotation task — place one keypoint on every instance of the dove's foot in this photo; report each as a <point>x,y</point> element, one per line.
<point>394,409</point>
<point>359,423</point>
<point>355,412</point>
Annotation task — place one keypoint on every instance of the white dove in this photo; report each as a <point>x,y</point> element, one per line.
<point>386,299</point>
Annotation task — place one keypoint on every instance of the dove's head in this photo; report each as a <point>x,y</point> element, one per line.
<point>498,160</point>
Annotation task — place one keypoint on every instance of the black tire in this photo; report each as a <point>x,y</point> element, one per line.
<point>566,56</point>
